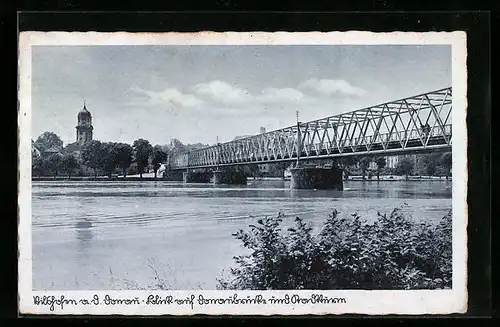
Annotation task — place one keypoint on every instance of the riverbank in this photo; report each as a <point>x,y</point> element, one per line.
<point>152,178</point>
<point>98,179</point>
<point>389,178</point>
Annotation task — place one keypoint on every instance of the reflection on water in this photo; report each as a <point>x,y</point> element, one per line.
<point>83,228</point>
<point>85,233</point>
<point>410,189</point>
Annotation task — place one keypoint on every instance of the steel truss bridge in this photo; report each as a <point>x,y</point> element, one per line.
<point>420,123</point>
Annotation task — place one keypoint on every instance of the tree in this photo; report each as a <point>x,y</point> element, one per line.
<point>363,165</point>
<point>91,154</point>
<point>109,158</point>
<point>196,146</point>
<point>430,168</point>
<point>349,161</point>
<point>69,163</point>
<point>446,162</point>
<point>54,163</point>
<point>428,164</point>
<point>346,163</point>
<point>177,147</point>
<point>254,170</point>
<point>124,156</point>
<point>39,166</point>
<point>48,140</point>
<point>433,163</point>
<point>142,151</point>
<point>278,169</point>
<point>404,167</point>
<point>381,163</point>
<point>159,156</point>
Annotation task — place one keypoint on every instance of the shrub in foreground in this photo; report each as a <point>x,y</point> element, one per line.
<point>394,252</point>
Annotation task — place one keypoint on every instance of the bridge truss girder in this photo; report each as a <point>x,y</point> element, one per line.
<point>416,124</point>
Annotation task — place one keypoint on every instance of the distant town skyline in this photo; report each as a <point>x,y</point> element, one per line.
<point>200,93</point>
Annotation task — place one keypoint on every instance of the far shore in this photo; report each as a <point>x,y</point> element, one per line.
<point>389,178</point>
<point>150,177</point>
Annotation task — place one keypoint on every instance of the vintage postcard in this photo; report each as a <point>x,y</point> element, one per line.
<point>242,173</point>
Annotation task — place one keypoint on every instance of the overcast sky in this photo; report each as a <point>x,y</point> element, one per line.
<point>196,93</point>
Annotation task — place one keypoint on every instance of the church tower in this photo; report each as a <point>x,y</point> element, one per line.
<point>84,128</point>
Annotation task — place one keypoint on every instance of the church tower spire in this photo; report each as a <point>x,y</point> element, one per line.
<point>84,127</point>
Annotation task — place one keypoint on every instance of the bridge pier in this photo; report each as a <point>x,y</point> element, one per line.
<point>195,177</point>
<point>172,175</point>
<point>229,175</point>
<point>316,178</point>
<point>232,176</point>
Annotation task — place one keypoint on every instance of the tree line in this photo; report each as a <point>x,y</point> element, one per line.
<point>102,157</point>
<point>432,164</point>
<point>108,157</point>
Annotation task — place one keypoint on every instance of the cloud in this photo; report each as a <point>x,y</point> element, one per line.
<point>285,95</point>
<point>222,92</point>
<point>332,87</point>
<point>170,96</point>
<point>225,93</point>
<point>223,97</point>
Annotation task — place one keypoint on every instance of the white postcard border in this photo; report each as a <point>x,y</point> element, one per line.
<point>363,302</point>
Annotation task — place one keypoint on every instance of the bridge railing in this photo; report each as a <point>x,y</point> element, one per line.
<point>369,141</point>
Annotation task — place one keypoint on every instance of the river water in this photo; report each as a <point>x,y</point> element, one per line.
<point>123,235</point>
